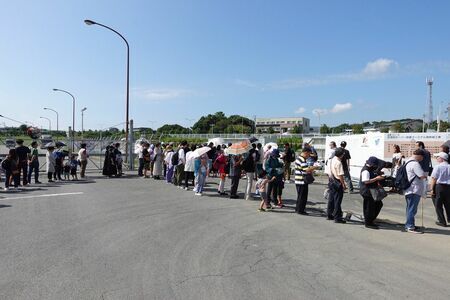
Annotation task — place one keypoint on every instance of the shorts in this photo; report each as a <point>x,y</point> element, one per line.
<point>263,195</point>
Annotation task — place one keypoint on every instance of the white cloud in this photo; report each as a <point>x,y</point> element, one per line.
<point>376,69</point>
<point>300,110</point>
<point>379,66</point>
<point>245,83</point>
<point>338,107</point>
<point>161,94</point>
<point>320,111</point>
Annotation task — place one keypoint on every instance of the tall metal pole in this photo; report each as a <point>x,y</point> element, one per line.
<point>49,123</point>
<point>82,120</point>
<point>127,121</point>
<point>57,117</point>
<point>73,116</point>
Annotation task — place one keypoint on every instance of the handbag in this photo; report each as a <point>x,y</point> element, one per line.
<point>378,193</point>
<point>308,178</point>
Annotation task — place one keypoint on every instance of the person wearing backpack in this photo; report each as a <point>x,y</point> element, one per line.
<point>412,173</point>
<point>370,180</point>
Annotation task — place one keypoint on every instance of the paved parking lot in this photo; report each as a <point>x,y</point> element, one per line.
<point>130,238</point>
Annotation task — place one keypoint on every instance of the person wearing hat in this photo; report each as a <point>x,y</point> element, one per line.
<point>346,166</point>
<point>336,186</point>
<point>369,180</point>
<point>23,154</point>
<point>440,188</point>
<point>302,171</point>
<point>414,192</point>
<point>274,168</point>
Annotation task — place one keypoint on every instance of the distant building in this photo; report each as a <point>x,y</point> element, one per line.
<point>282,125</point>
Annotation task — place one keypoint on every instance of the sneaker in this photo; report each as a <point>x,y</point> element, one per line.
<point>340,221</point>
<point>234,197</point>
<point>198,194</point>
<point>50,180</point>
<point>330,218</point>
<point>440,224</point>
<point>413,230</point>
<point>223,194</point>
<point>262,209</point>
<point>372,226</point>
<point>304,213</point>
<point>38,182</point>
<point>6,189</point>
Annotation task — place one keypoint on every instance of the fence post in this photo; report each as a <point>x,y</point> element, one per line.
<point>130,146</point>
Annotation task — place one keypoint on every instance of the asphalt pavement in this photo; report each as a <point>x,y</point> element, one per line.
<point>133,238</point>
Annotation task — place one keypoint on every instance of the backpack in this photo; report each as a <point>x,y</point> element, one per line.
<point>401,179</point>
<point>175,159</point>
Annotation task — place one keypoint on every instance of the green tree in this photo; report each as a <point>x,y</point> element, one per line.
<point>297,129</point>
<point>270,130</point>
<point>384,130</point>
<point>358,128</point>
<point>444,126</point>
<point>173,128</point>
<point>398,127</point>
<point>324,129</point>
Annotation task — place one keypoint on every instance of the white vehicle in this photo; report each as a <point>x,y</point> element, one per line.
<point>45,139</point>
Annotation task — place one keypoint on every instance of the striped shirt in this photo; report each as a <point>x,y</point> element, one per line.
<point>300,169</point>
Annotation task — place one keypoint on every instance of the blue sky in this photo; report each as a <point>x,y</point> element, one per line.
<point>350,61</point>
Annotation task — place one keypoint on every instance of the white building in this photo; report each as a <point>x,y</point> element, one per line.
<point>281,125</point>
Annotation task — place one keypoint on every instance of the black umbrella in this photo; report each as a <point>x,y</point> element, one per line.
<point>60,144</point>
<point>252,139</point>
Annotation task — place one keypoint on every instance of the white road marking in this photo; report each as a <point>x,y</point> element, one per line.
<point>41,196</point>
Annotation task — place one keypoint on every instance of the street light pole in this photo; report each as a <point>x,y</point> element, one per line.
<point>82,120</point>
<point>49,123</point>
<point>57,117</point>
<point>73,116</point>
<point>127,121</point>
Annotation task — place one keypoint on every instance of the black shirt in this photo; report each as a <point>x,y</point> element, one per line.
<point>22,152</point>
<point>345,158</point>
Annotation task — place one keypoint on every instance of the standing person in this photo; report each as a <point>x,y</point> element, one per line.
<point>168,162</point>
<point>426,161</point>
<point>33,163</point>
<point>397,162</point>
<point>145,159</point>
<point>370,180</point>
<point>259,162</point>
<point>440,188</point>
<point>220,165</point>
<point>181,161</point>
<point>11,166</point>
<point>189,167</point>
<point>158,162</point>
<point>303,177</point>
<point>414,192</point>
<point>288,158</point>
<point>59,162</point>
<point>22,153</point>
<point>50,163</point>
<point>201,172</point>
<point>266,156</point>
<point>235,174</point>
<point>249,166</point>
<point>141,158</point>
<point>83,158</point>
<point>261,185</point>
<point>73,167</point>
<point>211,156</point>
<point>118,159</point>
<point>346,166</point>
<point>336,186</point>
<point>274,168</point>
<point>109,166</point>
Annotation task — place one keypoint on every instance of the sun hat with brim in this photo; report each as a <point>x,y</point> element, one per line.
<point>442,155</point>
<point>372,161</point>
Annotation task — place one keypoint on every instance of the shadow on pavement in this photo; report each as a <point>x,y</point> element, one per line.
<point>5,206</point>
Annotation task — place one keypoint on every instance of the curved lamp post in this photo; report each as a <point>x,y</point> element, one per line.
<point>57,117</point>
<point>82,119</point>
<point>49,123</point>
<point>127,122</point>
<point>73,116</point>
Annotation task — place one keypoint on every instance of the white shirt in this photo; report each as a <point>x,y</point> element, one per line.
<point>414,170</point>
<point>336,167</point>
<point>365,176</point>
<point>442,173</point>
<point>181,157</point>
<point>190,162</point>
<point>82,155</point>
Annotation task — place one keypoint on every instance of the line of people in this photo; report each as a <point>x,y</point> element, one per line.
<point>22,162</point>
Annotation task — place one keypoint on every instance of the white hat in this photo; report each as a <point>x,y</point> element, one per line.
<point>442,155</point>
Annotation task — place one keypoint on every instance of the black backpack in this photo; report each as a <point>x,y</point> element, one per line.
<point>401,179</point>
<point>175,159</point>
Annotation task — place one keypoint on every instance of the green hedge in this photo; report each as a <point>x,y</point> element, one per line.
<point>177,140</point>
<point>295,142</point>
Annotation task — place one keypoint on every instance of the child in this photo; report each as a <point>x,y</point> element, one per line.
<point>201,172</point>
<point>261,186</point>
<point>146,158</point>
<point>73,167</point>
<point>67,170</point>
<point>11,167</point>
